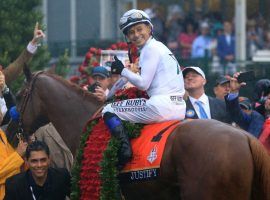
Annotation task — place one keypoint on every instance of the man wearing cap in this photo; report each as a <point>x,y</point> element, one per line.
<point>101,77</point>
<point>240,109</point>
<point>199,105</point>
<point>222,87</point>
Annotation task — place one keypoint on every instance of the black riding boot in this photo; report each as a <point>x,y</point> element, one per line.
<point>117,130</point>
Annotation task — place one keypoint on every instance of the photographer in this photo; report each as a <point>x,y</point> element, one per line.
<point>261,89</point>
<point>265,135</point>
<point>100,88</point>
<point>240,109</point>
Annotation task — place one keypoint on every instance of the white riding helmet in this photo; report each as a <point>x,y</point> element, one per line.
<point>133,17</point>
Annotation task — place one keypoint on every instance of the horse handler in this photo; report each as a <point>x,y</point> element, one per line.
<point>160,77</point>
<point>10,160</point>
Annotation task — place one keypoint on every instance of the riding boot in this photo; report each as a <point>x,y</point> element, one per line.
<point>117,130</point>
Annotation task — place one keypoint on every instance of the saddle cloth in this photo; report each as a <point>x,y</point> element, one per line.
<point>147,152</point>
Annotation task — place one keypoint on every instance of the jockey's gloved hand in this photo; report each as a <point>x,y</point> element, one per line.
<point>117,66</point>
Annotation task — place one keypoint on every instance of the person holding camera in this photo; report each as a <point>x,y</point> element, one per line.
<point>261,98</point>
<point>261,89</point>
<point>222,87</point>
<point>240,109</point>
<point>265,135</point>
<point>100,88</point>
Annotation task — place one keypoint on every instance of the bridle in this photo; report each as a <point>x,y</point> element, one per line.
<point>26,95</point>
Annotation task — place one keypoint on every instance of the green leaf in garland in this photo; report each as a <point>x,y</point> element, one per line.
<point>109,172</point>
<point>133,129</point>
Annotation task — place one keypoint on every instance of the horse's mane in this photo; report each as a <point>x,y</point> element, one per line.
<point>71,85</point>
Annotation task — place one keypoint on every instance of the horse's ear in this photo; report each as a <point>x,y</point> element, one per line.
<point>27,73</point>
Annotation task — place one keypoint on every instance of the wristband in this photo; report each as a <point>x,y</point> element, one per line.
<point>31,48</point>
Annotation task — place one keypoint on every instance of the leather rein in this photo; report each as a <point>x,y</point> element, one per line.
<point>27,93</point>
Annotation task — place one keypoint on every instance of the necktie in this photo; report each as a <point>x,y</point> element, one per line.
<point>201,110</point>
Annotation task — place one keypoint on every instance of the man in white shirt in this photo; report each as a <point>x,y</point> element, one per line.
<point>201,46</point>
<point>199,105</point>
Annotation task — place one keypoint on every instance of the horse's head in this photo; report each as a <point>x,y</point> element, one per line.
<point>29,105</point>
<point>49,98</point>
<point>30,113</point>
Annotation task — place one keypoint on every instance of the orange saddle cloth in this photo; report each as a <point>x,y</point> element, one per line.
<point>147,152</point>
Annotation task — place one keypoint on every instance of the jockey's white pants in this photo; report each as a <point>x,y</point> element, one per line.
<point>158,108</point>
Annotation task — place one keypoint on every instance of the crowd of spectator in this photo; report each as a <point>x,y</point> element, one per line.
<point>227,106</point>
<point>199,35</point>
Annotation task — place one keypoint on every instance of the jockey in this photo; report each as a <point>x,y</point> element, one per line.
<point>160,77</point>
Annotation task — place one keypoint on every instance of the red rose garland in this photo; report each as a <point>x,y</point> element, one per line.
<point>94,174</point>
<point>87,183</point>
<point>90,182</point>
<point>130,93</point>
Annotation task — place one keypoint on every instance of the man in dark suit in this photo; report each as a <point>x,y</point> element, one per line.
<point>40,181</point>
<point>226,44</point>
<point>240,109</point>
<point>213,108</point>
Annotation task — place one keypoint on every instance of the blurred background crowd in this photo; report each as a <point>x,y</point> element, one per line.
<point>199,32</point>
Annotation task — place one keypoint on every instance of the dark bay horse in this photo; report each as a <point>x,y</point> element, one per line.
<point>203,159</point>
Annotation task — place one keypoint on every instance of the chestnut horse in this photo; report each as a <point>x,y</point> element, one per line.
<point>74,107</point>
<point>203,159</point>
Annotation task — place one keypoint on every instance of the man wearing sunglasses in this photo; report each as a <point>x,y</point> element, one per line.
<point>160,76</point>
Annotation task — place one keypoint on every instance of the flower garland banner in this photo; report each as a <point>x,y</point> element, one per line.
<point>75,178</point>
<point>90,180</point>
<point>95,173</point>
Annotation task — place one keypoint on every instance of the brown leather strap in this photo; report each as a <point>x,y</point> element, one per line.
<point>97,114</point>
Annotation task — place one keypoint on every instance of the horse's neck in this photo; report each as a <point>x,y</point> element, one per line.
<point>69,110</point>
